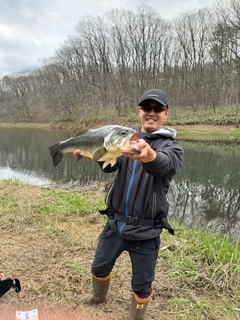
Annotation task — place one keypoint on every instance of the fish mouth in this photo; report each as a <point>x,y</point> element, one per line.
<point>131,138</point>
<point>134,137</point>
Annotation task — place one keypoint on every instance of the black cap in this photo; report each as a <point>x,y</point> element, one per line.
<point>155,94</point>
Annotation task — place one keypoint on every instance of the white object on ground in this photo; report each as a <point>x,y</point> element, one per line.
<point>28,315</point>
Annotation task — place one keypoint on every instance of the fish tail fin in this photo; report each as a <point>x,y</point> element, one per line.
<point>56,154</point>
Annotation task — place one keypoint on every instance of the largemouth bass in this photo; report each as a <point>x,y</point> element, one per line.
<point>103,144</point>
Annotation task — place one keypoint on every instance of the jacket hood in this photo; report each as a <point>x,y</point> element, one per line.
<point>166,132</point>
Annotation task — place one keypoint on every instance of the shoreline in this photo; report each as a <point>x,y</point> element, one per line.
<point>202,132</point>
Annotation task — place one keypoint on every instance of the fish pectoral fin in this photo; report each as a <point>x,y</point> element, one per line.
<point>99,154</point>
<point>111,161</point>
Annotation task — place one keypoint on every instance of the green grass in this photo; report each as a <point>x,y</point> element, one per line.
<point>204,132</point>
<point>73,203</point>
<point>207,266</point>
<point>222,115</point>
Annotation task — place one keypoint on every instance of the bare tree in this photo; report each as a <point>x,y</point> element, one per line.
<point>225,44</point>
<point>109,61</point>
<point>192,35</point>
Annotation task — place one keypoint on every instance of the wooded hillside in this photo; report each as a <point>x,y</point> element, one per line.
<point>109,61</point>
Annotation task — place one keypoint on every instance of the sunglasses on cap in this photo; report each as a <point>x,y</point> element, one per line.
<point>148,108</point>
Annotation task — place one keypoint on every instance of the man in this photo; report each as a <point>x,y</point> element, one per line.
<point>137,205</point>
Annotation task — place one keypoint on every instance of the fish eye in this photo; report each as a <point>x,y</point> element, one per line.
<point>123,132</point>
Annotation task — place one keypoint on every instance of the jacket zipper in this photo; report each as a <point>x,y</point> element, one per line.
<point>128,194</point>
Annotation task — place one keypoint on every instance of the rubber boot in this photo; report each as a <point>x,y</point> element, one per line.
<point>139,306</point>
<point>100,290</point>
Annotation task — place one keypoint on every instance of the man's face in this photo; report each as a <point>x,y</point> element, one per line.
<point>152,115</point>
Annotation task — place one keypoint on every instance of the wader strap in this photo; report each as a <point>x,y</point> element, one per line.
<point>162,223</point>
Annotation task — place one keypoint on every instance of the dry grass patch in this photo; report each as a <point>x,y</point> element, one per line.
<point>50,248</point>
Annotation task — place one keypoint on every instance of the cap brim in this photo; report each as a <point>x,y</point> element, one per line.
<point>140,103</point>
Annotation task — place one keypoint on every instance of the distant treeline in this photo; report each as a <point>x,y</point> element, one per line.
<point>110,60</point>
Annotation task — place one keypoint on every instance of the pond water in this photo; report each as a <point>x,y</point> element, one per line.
<point>205,193</point>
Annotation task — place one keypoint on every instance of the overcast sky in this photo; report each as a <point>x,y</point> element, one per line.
<point>31,30</point>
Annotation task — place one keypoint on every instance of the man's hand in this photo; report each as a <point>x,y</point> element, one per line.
<point>147,154</point>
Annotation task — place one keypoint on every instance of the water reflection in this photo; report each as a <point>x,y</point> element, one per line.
<point>207,206</point>
<point>204,193</point>
<point>25,151</point>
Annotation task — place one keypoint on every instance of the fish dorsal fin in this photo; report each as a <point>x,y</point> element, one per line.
<point>99,154</point>
<point>77,132</point>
